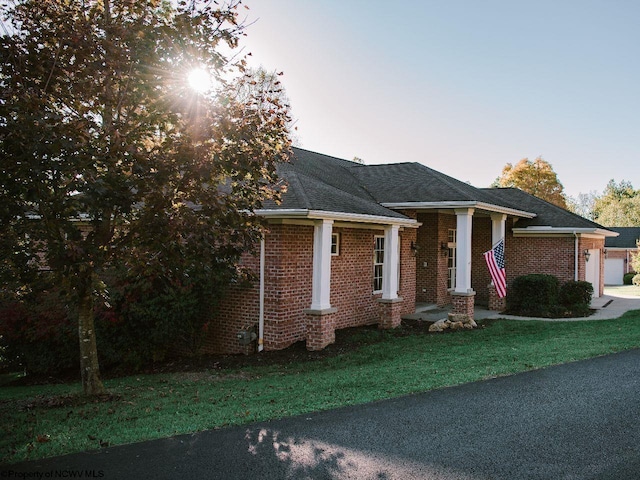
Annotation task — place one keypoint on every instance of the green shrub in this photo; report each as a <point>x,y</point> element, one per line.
<point>575,293</point>
<point>533,295</point>
<point>37,334</point>
<point>627,278</point>
<point>140,321</point>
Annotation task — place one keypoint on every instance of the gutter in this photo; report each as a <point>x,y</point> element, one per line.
<point>300,213</point>
<point>575,234</point>
<point>459,204</point>
<point>261,296</point>
<point>548,230</point>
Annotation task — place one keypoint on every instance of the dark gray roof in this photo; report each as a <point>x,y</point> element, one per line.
<point>413,182</point>
<point>628,237</point>
<point>320,182</point>
<point>547,214</point>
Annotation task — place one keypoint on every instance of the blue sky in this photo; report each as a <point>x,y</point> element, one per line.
<point>462,86</point>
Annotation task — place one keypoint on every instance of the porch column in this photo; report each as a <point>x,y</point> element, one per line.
<point>463,296</point>
<point>390,265</point>
<point>320,318</point>
<point>464,219</point>
<point>498,229</point>
<point>390,305</point>
<point>321,284</point>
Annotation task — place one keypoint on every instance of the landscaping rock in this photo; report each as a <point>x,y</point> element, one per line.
<point>439,326</point>
<point>456,321</point>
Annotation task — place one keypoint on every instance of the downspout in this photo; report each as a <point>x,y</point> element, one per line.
<point>576,257</point>
<point>627,260</point>
<point>261,313</point>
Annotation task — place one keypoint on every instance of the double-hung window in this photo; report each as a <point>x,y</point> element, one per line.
<point>378,261</point>
<point>451,260</point>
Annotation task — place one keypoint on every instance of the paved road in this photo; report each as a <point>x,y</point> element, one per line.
<point>575,421</point>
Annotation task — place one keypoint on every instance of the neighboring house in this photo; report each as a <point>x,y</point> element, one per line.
<point>619,252</point>
<point>355,244</point>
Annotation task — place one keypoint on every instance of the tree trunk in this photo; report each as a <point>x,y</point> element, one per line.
<point>90,369</point>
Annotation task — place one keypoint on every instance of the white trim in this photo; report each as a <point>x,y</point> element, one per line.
<point>337,235</point>
<point>325,215</point>
<point>384,249</point>
<point>548,230</point>
<point>459,204</point>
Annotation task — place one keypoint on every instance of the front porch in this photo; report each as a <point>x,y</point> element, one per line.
<point>430,312</point>
<point>450,268</point>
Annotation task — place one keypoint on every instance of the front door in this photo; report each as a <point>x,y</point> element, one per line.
<point>592,271</point>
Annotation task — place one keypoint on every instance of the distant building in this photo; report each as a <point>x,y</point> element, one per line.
<point>619,252</point>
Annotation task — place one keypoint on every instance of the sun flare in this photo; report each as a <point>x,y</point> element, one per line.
<point>200,80</point>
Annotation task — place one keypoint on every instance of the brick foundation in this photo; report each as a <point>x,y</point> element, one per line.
<point>495,302</point>
<point>390,312</point>
<point>463,303</point>
<point>320,328</point>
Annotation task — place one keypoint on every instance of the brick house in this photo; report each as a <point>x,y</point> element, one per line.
<point>619,252</point>
<point>354,245</point>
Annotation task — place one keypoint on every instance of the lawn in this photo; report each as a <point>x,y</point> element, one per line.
<point>41,421</point>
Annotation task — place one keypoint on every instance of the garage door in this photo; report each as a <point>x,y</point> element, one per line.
<point>613,271</point>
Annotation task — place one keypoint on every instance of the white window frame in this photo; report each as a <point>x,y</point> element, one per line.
<point>452,245</point>
<point>335,242</point>
<point>378,262</point>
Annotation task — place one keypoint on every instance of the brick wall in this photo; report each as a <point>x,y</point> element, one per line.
<point>481,242</point>
<point>288,284</point>
<point>550,255</point>
<point>431,263</point>
<point>288,288</point>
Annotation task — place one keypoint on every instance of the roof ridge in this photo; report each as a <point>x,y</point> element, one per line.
<point>293,175</point>
<point>553,205</point>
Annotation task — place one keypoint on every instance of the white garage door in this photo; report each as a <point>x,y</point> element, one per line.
<point>613,271</point>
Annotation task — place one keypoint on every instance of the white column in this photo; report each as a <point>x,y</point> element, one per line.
<point>498,227</point>
<point>321,286</point>
<point>464,219</point>
<point>390,263</point>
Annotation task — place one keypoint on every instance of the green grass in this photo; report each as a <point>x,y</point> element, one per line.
<point>41,421</point>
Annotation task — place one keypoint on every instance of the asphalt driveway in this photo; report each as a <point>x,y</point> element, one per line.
<point>574,421</point>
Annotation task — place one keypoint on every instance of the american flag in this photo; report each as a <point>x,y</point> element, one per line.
<point>495,262</point>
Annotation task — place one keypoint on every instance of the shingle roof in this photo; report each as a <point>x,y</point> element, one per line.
<point>413,182</point>
<point>547,214</point>
<point>320,182</point>
<point>628,237</point>
<point>324,183</point>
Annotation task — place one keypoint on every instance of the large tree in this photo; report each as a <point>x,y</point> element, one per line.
<point>535,177</point>
<point>618,206</point>
<point>107,154</point>
<point>582,204</point>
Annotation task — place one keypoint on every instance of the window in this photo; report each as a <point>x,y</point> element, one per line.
<point>335,244</point>
<point>451,260</point>
<point>378,260</point>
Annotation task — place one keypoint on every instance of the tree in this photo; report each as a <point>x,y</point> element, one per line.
<point>109,157</point>
<point>267,85</point>
<point>583,204</point>
<point>618,206</point>
<point>535,177</point>
<point>635,263</point>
